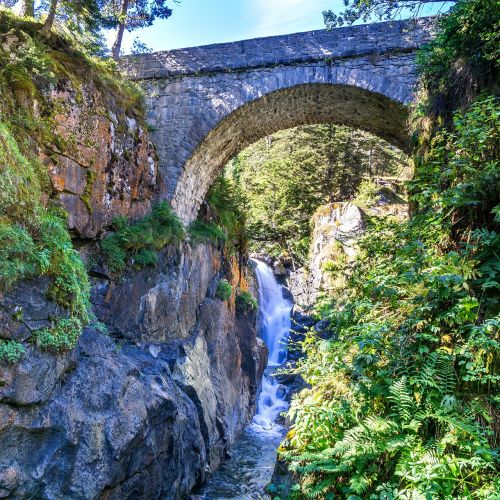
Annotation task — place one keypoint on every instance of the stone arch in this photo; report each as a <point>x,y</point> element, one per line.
<point>303,104</point>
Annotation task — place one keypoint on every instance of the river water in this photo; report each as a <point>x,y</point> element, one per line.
<point>245,475</point>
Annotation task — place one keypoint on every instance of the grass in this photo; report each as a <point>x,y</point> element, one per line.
<point>138,242</point>
<point>200,231</point>
<point>224,290</point>
<point>245,302</point>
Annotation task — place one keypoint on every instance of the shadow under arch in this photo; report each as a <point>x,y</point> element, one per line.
<point>305,104</point>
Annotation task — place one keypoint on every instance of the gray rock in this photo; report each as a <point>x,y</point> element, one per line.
<point>337,227</point>
<point>146,414</point>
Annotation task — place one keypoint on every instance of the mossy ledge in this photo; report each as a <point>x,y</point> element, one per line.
<point>35,71</point>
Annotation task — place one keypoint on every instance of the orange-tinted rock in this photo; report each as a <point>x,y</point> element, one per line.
<point>102,163</point>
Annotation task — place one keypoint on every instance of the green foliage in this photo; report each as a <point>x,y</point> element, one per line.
<point>245,301</point>
<point>18,257</point>
<point>226,200</point>
<point>31,61</point>
<point>200,231</point>
<point>11,351</point>
<point>462,61</point>
<point>61,336</point>
<point>404,392</point>
<point>34,239</point>
<point>281,180</point>
<point>224,290</point>
<point>369,10</point>
<point>139,241</point>
<point>367,194</point>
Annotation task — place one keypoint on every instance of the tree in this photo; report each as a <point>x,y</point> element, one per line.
<point>133,14</point>
<point>79,16</point>
<point>381,9</point>
<point>49,21</point>
<point>28,8</point>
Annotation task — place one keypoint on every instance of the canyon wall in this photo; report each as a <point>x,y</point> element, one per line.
<point>144,411</point>
<point>166,375</point>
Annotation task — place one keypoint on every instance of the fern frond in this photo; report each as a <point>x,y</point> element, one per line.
<point>402,399</point>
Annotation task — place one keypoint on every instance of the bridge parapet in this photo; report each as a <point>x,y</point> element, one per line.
<point>298,48</point>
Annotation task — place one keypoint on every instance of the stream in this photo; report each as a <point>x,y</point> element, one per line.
<point>249,469</point>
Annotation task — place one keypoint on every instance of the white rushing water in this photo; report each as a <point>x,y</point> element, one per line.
<point>275,322</point>
<point>245,475</point>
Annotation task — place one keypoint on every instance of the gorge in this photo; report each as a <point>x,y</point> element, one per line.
<point>236,271</point>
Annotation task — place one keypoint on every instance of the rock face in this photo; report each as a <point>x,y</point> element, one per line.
<point>336,227</point>
<point>106,166</point>
<point>99,155</point>
<point>145,411</point>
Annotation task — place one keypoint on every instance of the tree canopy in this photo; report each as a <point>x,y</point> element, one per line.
<point>366,10</point>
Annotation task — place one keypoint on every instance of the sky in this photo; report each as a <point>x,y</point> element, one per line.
<point>202,22</point>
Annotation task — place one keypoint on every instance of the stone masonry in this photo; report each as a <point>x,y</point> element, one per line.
<point>206,104</point>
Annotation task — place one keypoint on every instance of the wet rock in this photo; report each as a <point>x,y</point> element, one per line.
<point>279,268</point>
<point>282,481</point>
<point>118,427</point>
<point>161,303</point>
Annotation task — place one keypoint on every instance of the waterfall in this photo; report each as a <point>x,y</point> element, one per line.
<point>250,468</point>
<point>275,322</point>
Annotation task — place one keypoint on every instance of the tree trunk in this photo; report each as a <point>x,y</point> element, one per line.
<point>119,32</point>
<point>28,8</point>
<point>49,22</point>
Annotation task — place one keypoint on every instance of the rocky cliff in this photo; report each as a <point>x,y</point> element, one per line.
<point>145,411</point>
<point>336,227</point>
<point>163,379</point>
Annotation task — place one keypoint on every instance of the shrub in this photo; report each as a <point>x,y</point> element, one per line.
<point>245,302</point>
<point>141,240</point>
<point>200,231</point>
<point>17,255</point>
<point>11,351</point>
<point>367,194</point>
<point>224,290</point>
<point>61,336</point>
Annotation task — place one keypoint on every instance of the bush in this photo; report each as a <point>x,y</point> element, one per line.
<point>403,391</point>
<point>11,351</point>
<point>18,259</point>
<point>224,290</point>
<point>245,302</point>
<point>139,241</point>
<point>200,231</point>
<point>367,194</point>
<point>61,336</point>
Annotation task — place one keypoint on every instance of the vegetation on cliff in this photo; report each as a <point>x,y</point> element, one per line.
<point>139,242</point>
<point>404,390</point>
<point>35,241</point>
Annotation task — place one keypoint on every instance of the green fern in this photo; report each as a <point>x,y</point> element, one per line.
<point>402,400</point>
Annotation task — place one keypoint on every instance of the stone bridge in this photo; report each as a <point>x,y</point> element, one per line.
<point>206,104</point>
